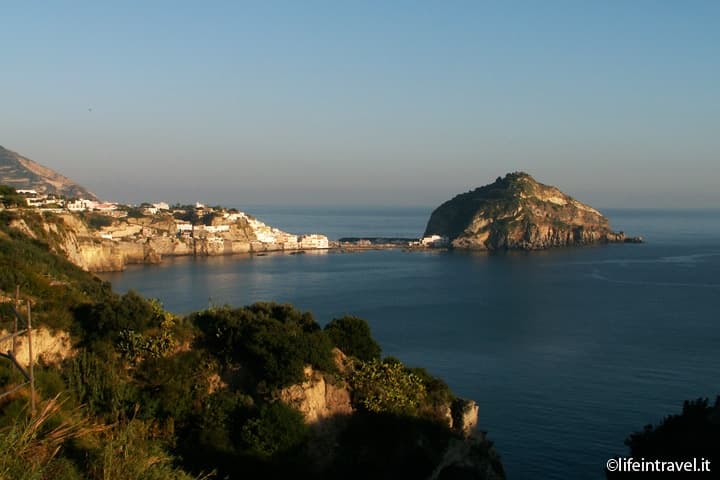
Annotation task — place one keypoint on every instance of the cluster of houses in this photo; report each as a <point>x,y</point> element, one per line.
<point>49,201</point>
<point>212,233</point>
<point>263,233</point>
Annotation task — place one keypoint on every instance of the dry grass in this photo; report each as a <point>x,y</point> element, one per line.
<point>29,445</point>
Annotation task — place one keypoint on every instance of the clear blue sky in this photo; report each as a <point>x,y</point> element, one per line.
<point>407,103</point>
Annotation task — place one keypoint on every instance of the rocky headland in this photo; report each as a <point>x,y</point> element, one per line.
<point>516,212</point>
<point>109,241</point>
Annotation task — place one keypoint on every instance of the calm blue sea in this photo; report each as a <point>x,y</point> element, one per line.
<point>566,351</point>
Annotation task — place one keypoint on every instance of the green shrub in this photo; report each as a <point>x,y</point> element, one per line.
<point>437,392</point>
<point>352,335</point>
<point>100,384</point>
<point>135,212</point>
<point>278,428</point>
<point>694,433</point>
<point>10,198</point>
<point>49,381</point>
<point>385,446</point>
<point>173,387</point>
<point>97,221</point>
<point>105,320</point>
<point>130,451</point>
<point>273,342</point>
<point>386,387</point>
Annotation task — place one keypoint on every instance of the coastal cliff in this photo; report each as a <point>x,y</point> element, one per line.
<point>518,213</point>
<point>103,243</point>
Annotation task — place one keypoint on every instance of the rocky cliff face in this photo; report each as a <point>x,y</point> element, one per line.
<point>319,399</point>
<point>48,347</point>
<point>147,239</point>
<point>326,403</point>
<point>316,398</point>
<point>517,212</point>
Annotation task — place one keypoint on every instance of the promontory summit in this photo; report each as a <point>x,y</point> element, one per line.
<point>22,173</point>
<point>516,212</point>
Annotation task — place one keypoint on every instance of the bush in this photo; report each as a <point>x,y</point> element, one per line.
<point>135,212</point>
<point>105,320</point>
<point>438,392</point>
<point>352,336</point>
<point>130,452</point>
<point>695,433</point>
<point>385,446</point>
<point>98,221</point>
<point>173,387</point>
<point>277,429</point>
<point>386,387</point>
<point>273,342</point>
<point>100,384</point>
<point>10,198</point>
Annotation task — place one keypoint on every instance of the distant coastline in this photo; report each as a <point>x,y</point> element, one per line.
<point>106,236</point>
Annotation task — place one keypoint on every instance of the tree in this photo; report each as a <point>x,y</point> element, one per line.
<point>352,335</point>
<point>695,433</point>
<point>10,198</point>
<point>274,342</point>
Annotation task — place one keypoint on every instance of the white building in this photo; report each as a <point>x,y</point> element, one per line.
<point>105,207</point>
<point>233,217</point>
<point>217,228</point>
<point>80,205</point>
<point>265,235</point>
<point>36,201</point>
<point>434,241</point>
<point>284,237</point>
<point>313,240</point>
<point>161,206</point>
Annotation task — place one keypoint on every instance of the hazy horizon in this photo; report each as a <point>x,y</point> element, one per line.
<point>407,104</point>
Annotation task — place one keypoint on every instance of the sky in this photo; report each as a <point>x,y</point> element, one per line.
<point>366,103</point>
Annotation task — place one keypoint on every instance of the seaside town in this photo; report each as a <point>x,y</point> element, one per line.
<point>213,224</point>
<point>219,230</point>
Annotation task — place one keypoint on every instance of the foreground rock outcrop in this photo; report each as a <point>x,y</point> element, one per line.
<point>518,213</point>
<point>316,398</point>
<point>47,346</point>
<point>326,402</point>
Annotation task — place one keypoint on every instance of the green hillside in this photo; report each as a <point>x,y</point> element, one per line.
<point>149,395</point>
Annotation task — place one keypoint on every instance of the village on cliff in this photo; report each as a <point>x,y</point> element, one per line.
<point>109,235</point>
<point>189,221</point>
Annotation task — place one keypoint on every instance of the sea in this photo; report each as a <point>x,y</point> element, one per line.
<point>566,351</point>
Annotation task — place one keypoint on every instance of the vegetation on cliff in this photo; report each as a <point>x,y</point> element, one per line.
<point>149,395</point>
<point>517,212</point>
<point>692,434</point>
